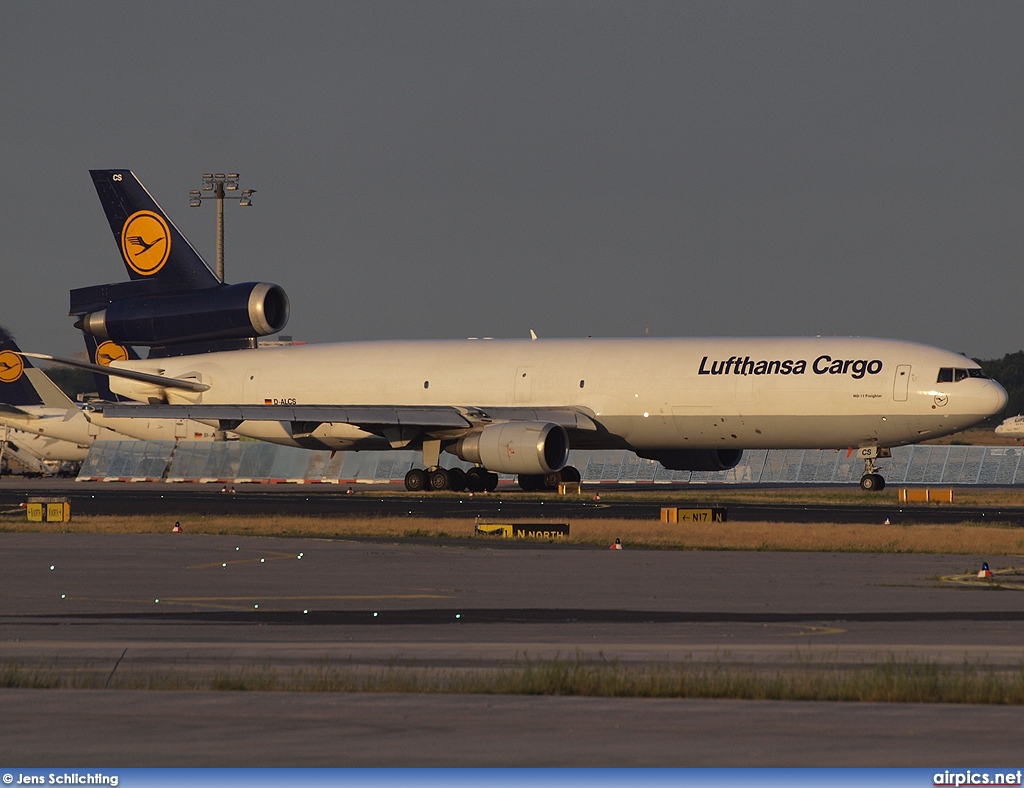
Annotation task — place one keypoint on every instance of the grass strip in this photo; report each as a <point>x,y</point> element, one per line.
<point>894,681</point>
<point>962,538</point>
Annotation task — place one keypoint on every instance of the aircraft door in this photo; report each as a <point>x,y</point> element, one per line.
<point>179,429</point>
<point>902,383</point>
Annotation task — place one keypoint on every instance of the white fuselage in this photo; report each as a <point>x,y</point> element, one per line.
<point>1013,426</point>
<point>42,447</point>
<point>647,394</point>
<point>83,426</point>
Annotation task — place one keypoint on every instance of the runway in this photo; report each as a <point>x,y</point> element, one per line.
<point>118,605</point>
<point>97,498</point>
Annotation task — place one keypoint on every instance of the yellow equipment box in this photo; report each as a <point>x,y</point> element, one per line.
<point>918,495</point>
<point>50,510</point>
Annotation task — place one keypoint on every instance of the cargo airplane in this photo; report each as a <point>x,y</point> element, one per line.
<point>1013,426</point>
<point>509,406</point>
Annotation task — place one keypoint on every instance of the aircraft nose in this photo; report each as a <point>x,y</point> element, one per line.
<point>995,398</point>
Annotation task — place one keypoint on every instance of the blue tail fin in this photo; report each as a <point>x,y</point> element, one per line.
<point>102,353</point>
<point>15,387</point>
<point>149,243</point>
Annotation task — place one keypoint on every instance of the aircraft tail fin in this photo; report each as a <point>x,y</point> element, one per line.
<point>103,353</point>
<point>148,241</point>
<point>15,386</point>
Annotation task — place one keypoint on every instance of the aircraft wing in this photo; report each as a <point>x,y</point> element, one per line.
<point>369,417</point>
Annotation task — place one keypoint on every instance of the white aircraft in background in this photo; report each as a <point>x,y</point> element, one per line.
<point>1012,427</point>
<point>507,406</point>
<point>32,452</point>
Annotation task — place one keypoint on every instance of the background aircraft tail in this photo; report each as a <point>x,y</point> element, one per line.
<point>103,353</point>
<point>15,386</point>
<point>32,386</point>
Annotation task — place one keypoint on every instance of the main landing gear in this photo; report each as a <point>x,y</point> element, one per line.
<point>872,480</point>
<point>454,479</point>
<point>548,481</point>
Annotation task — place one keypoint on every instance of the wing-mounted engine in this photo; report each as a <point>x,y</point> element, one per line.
<point>696,459</point>
<point>527,447</point>
<point>170,323</point>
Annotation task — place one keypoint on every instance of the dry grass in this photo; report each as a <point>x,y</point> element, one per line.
<point>963,538</point>
<point>897,680</point>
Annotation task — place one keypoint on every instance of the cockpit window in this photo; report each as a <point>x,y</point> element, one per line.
<point>954,375</point>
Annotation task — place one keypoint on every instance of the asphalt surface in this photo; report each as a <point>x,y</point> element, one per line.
<point>127,499</point>
<point>152,604</point>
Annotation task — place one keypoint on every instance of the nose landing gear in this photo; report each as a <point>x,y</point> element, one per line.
<point>872,480</point>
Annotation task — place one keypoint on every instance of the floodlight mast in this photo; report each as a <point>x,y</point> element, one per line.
<point>218,183</point>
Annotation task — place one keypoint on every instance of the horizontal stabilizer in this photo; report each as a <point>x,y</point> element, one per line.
<point>129,374</point>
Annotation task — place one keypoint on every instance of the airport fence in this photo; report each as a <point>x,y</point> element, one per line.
<point>250,461</point>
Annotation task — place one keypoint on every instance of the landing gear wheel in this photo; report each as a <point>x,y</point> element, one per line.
<point>872,482</point>
<point>438,479</point>
<point>571,475</point>
<point>552,480</point>
<point>490,482</point>
<point>475,479</point>
<point>531,482</point>
<point>416,480</point>
<point>456,479</point>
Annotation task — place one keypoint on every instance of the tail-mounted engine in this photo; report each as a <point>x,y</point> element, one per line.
<point>226,312</point>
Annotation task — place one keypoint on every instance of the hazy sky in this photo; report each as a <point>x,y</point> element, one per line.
<point>454,169</point>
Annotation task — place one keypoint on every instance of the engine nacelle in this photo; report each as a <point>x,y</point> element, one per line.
<point>696,459</point>
<point>528,447</point>
<point>229,312</point>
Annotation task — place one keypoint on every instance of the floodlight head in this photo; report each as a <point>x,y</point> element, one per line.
<point>194,199</point>
<point>231,182</point>
<point>246,199</point>
<point>207,182</point>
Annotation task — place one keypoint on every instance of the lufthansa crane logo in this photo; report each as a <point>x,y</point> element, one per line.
<point>11,366</point>
<point>145,242</point>
<point>109,352</point>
